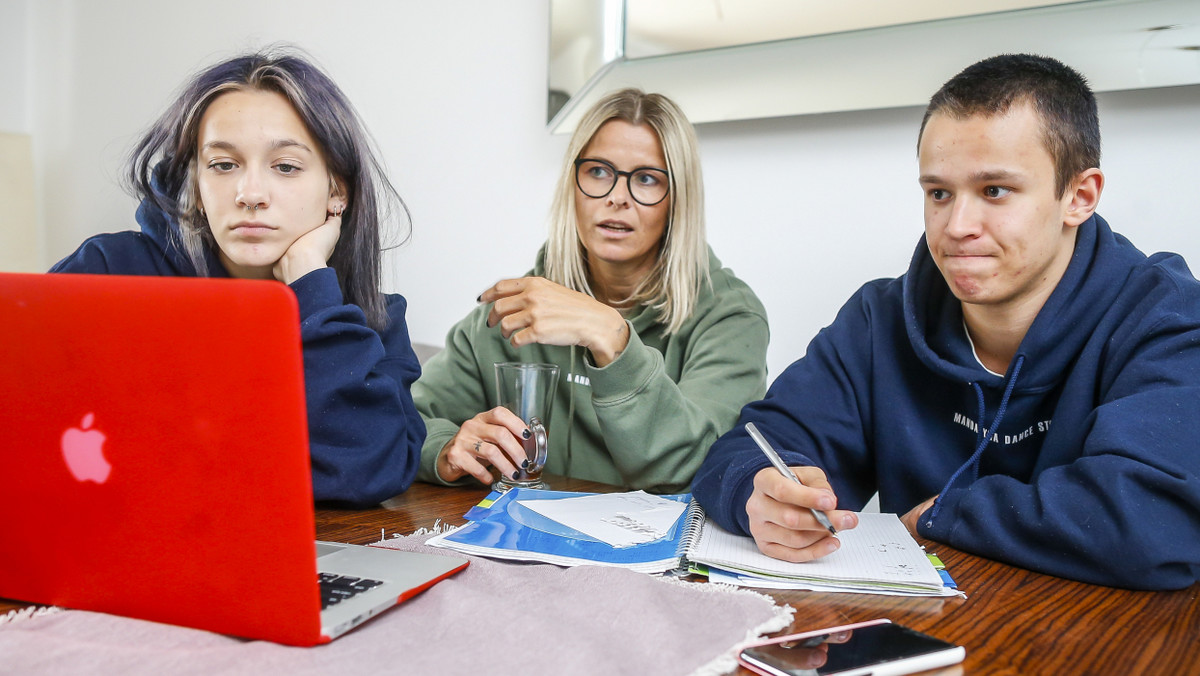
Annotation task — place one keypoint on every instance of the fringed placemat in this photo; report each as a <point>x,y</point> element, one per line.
<point>493,618</point>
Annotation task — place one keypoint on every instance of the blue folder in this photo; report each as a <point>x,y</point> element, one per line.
<point>505,529</point>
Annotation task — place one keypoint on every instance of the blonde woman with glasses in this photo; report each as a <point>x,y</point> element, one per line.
<point>658,346</point>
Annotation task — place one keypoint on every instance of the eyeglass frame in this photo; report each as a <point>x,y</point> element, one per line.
<point>628,180</point>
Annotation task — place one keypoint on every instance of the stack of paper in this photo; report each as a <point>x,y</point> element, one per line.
<point>618,519</point>
<point>879,556</point>
<point>654,534</point>
<point>637,531</point>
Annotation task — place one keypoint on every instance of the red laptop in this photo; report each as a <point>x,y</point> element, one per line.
<point>155,462</point>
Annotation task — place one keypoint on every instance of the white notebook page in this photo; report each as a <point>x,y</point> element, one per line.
<point>879,550</point>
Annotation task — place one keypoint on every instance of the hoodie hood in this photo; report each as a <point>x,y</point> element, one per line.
<point>934,321</point>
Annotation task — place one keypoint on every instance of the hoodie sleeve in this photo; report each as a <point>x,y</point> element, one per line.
<point>121,253</point>
<point>1119,501</point>
<point>364,429</point>
<point>657,429</point>
<point>813,415</point>
<point>452,389</point>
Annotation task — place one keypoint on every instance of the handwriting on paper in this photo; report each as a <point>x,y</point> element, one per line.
<point>618,519</point>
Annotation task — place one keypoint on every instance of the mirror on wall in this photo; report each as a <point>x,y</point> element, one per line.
<point>743,59</point>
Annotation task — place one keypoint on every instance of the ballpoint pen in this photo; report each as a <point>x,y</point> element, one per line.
<point>769,451</point>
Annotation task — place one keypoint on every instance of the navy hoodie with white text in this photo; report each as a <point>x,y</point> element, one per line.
<point>1090,468</point>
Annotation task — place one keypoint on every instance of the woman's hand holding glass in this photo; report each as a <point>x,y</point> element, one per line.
<point>535,310</point>
<point>490,439</point>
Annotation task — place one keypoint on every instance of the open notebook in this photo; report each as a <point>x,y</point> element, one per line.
<point>879,556</point>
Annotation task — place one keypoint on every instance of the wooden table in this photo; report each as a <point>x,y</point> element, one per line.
<point>1013,622</point>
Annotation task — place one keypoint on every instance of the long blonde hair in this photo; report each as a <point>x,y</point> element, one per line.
<point>674,282</point>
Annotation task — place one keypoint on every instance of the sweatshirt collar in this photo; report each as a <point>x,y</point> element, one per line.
<point>933,316</point>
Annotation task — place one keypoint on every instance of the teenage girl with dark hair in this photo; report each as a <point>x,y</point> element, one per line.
<point>261,169</point>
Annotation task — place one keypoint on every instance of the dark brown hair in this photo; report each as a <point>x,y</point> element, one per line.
<point>1059,95</point>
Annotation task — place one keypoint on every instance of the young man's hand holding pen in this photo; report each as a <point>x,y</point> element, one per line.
<point>786,510</point>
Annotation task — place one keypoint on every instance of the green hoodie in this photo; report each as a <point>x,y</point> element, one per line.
<point>646,420</point>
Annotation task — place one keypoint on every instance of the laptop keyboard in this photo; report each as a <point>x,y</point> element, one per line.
<point>338,588</point>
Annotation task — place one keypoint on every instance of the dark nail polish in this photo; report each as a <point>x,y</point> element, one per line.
<point>525,433</point>
<point>516,475</point>
<point>524,464</point>
<point>479,298</point>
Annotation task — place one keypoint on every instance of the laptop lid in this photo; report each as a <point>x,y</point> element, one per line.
<point>155,443</point>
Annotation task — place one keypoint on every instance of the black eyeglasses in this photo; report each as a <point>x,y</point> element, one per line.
<point>647,185</point>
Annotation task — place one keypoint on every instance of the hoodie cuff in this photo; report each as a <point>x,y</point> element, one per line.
<point>744,474</point>
<point>941,527</point>
<point>316,291</point>
<point>748,469</point>
<point>438,433</point>
<point>626,375</point>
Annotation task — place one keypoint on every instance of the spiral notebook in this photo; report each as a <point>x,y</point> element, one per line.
<point>878,556</point>
<point>506,529</point>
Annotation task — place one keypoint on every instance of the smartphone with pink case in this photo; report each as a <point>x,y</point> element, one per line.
<point>877,647</point>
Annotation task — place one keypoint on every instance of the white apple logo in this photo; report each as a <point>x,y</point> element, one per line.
<point>83,449</point>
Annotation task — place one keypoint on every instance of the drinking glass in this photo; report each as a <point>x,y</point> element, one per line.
<point>527,389</point>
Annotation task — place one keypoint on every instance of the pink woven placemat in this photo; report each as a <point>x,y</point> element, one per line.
<point>493,618</point>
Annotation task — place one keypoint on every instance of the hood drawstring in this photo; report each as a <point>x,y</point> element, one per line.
<point>984,436</point>
<point>570,414</point>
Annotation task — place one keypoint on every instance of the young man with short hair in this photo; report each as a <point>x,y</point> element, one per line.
<point>1028,391</point>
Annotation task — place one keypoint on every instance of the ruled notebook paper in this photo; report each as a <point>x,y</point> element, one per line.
<point>878,554</point>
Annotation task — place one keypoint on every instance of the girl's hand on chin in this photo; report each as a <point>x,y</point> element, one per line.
<point>311,251</point>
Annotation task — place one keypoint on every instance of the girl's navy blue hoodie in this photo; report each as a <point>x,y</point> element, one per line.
<point>364,430</point>
<point>1090,465</point>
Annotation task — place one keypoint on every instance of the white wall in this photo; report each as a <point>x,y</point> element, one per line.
<point>804,208</point>
<point>15,81</point>
<point>808,208</point>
